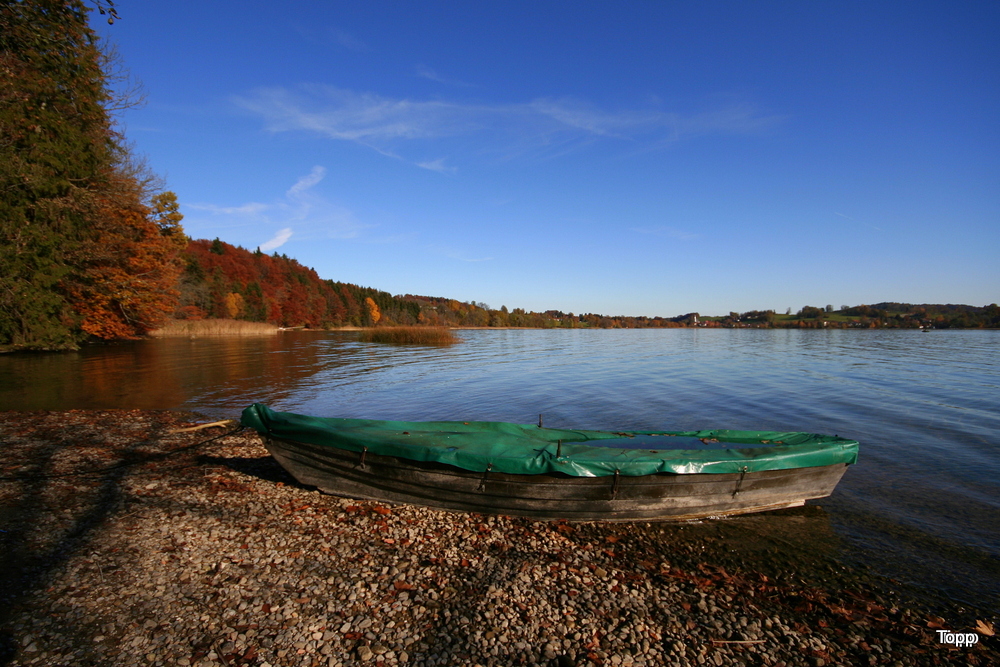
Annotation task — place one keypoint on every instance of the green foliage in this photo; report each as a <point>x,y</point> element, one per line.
<point>810,312</point>
<point>56,143</point>
<point>82,253</point>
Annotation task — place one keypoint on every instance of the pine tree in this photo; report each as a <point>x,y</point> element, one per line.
<point>84,249</point>
<point>55,143</point>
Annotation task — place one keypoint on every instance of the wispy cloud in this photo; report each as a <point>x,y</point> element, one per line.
<point>437,165</point>
<point>306,182</point>
<point>844,215</point>
<point>251,209</point>
<point>348,41</point>
<point>279,240</point>
<point>427,73</point>
<point>667,232</point>
<point>395,127</point>
<point>301,212</point>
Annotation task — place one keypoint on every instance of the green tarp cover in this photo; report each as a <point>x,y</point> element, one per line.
<point>530,450</point>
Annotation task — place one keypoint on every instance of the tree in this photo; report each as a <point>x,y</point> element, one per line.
<point>373,311</point>
<point>126,267</point>
<point>167,215</point>
<point>55,142</point>
<point>87,250</point>
<point>810,312</point>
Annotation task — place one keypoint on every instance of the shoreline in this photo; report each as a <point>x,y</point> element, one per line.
<point>167,551</point>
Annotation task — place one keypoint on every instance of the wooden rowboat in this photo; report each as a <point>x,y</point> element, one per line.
<point>528,470</point>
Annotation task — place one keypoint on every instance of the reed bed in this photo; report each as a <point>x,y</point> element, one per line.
<point>409,335</point>
<point>188,328</point>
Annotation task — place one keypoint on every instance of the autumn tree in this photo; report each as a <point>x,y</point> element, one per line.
<point>373,311</point>
<point>55,144</point>
<point>127,266</point>
<point>83,250</point>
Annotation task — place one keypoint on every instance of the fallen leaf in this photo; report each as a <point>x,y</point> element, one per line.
<point>382,510</point>
<point>984,628</point>
<point>402,586</point>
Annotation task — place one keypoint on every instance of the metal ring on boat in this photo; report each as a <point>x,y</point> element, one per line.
<point>482,482</point>
<point>739,483</point>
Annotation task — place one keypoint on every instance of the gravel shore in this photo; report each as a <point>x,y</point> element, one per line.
<point>126,544</point>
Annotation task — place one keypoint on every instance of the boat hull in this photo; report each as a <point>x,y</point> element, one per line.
<point>655,497</point>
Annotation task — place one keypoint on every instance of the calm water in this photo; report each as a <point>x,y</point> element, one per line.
<point>922,505</point>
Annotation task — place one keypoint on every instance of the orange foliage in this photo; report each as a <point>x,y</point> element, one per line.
<point>234,305</point>
<point>130,266</point>
<point>373,310</point>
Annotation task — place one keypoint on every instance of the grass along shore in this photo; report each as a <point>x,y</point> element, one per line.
<point>408,335</point>
<point>188,328</point>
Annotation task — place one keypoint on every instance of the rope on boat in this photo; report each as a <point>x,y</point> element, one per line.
<point>125,464</point>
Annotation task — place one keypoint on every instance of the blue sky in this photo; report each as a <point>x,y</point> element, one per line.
<point>640,158</point>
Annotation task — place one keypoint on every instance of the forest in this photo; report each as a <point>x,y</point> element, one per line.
<point>92,247</point>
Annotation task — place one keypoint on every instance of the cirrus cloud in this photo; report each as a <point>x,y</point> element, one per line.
<point>397,126</point>
<point>302,212</point>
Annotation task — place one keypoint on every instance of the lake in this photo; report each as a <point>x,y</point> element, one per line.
<point>922,505</point>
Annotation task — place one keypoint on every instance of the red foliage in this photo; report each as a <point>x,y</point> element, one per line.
<point>190,313</point>
<point>129,268</point>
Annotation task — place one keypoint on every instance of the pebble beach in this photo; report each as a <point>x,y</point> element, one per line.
<point>125,542</point>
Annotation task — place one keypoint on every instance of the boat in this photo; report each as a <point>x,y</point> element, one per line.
<point>549,473</point>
